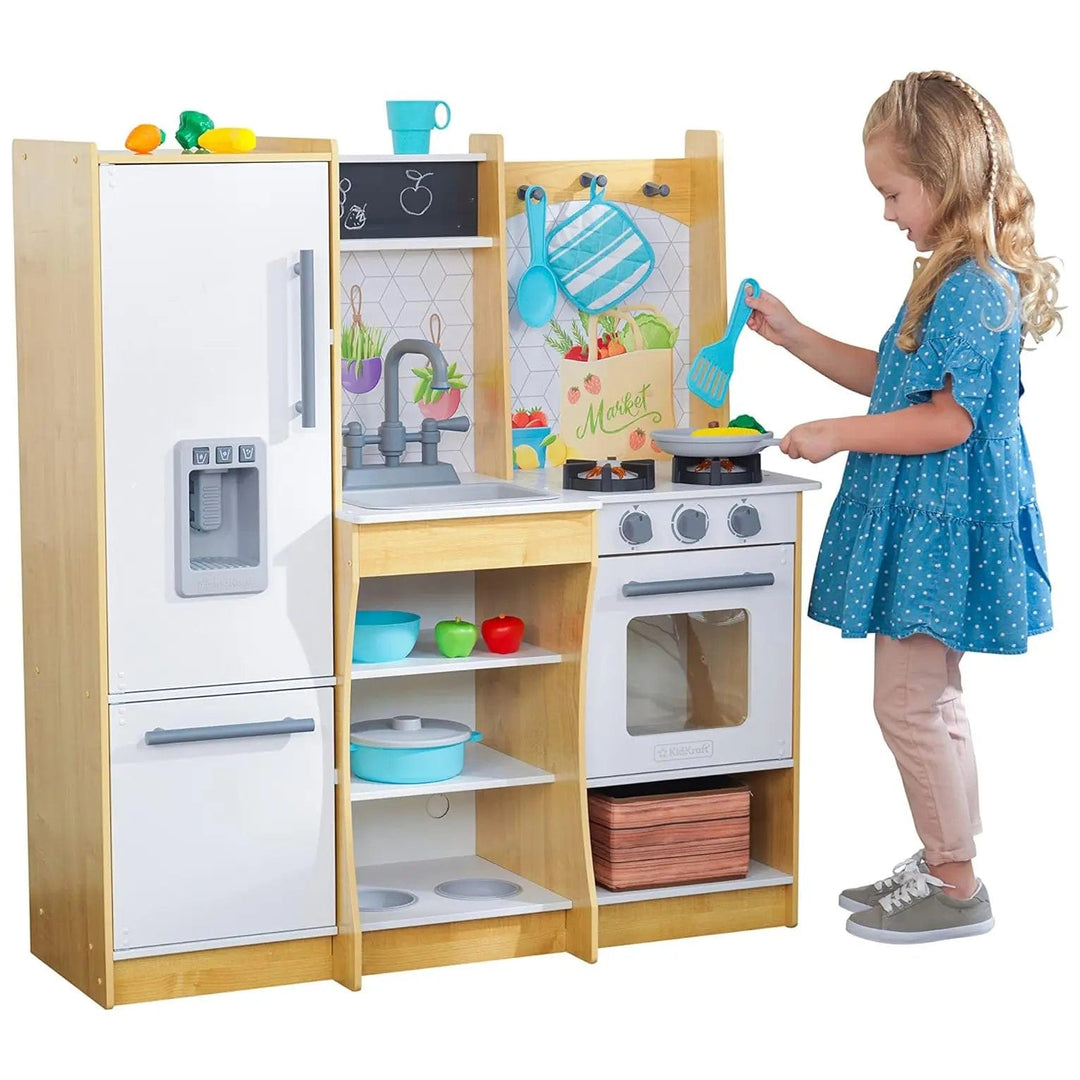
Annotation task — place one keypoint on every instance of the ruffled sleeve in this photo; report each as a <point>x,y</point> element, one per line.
<point>935,359</point>
<point>962,334</point>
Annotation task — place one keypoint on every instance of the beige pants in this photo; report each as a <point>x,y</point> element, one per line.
<point>919,704</point>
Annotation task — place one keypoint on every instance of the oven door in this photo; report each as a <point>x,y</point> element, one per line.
<point>690,661</point>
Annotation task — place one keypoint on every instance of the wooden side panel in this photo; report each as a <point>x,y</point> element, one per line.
<point>214,971</point>
<point>57,298</point>
<point>491,319</point>
<point>537,715</point>
<point>347,948</point>
<point>464,942</point>
<point>441,546</point>
<point>690,916</point>
<point>708,258</point>
<point>561,181</point>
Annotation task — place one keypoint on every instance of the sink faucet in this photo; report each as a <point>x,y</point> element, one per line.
<point>392,430</point>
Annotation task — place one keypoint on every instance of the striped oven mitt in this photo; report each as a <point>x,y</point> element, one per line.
<point>598,255</point>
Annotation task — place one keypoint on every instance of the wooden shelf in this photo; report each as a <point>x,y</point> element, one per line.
<point>484,768</point>
<point>420,878</point>
<point>417,243</point>
<point>759,876</point>
<point>426,659</point>
<point>352,159</point>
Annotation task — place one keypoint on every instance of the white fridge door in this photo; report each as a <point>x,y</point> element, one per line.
<point>201,337</point>
<point>219,839</point>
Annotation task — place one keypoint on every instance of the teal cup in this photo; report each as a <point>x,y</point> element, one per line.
<point>411,122</point>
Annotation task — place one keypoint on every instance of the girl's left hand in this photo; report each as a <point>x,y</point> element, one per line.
<point>815,441</point>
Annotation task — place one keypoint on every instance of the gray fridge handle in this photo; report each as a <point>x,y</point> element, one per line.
<point>288,726</point>
<point>701,584</point>
<point>306,270</point>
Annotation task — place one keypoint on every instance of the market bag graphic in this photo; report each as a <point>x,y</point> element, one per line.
<point>610,407</point>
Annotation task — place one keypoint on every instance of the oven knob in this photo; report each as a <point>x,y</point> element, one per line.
<point>635,527</point>
<point>691,525</point>
<point>744,521</point>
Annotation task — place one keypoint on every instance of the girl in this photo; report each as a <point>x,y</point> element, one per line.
<point>934,543</point>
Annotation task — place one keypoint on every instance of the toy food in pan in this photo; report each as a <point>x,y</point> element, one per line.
<point>685,443</point>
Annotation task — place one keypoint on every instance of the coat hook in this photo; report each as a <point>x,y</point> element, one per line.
<point>651,188</point>
<point>538,194</point>
<point>587,178</point>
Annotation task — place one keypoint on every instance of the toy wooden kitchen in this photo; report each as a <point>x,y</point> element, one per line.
<point>281,411</point>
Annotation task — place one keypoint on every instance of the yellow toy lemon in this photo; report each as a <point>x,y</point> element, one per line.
<point>713,431</point>
<point>228,140</point>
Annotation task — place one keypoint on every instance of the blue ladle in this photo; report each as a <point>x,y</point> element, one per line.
<point>537,290</point>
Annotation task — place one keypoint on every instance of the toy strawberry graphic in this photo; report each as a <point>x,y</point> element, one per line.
<point>592,384</point>
<point>573,395</point>
<point>637,439</point>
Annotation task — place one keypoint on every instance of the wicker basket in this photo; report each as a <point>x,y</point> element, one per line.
<point>670,833</point>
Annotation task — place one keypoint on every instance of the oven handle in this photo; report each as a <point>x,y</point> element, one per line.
<point>699,584</point>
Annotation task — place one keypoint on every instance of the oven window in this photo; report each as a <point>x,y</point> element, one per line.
<point>687,672</point>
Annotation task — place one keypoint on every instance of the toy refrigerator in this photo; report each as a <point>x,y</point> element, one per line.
<point>218,492</point>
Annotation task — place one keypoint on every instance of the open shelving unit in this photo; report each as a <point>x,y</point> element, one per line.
<point>759,876</point>
<point>418,243</point>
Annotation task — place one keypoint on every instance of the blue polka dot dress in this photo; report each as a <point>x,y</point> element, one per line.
<point>947,544</point>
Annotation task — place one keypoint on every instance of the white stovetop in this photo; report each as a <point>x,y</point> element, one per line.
<point>771,483</point>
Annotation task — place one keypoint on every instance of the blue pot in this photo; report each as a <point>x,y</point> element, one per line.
<point>383,636</point>
<point>408,750</point>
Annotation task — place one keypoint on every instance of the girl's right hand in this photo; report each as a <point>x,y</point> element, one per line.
<point>770,319</point>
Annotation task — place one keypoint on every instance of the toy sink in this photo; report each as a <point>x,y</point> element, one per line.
<point>434,496</point>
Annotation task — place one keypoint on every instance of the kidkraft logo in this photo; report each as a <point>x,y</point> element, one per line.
<point>683,751</point>
<point>628,411</point>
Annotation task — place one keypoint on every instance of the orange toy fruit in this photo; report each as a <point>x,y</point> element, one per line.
<point>144,139</point>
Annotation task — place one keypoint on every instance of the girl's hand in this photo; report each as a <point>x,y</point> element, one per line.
<point>815,441</point>
<point>770,319</point>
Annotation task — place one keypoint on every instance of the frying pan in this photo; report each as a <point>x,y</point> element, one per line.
<point>683,442</point>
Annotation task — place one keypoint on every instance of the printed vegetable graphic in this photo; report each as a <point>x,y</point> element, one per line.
<point>192,125</point>
<point>503,634</point>
<point>656,331</point>
<point>592,384</point>
<point>573,395</point>
<point>571,344</point>
<point>144,139</point>
<point>637,439</point>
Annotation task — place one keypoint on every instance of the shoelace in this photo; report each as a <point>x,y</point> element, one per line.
<point>901,872</point>
<point>915,888</point>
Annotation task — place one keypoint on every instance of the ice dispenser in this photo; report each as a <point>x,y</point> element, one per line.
<point>220,516</point>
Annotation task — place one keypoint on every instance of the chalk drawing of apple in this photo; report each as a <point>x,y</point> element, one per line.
<point>412,197</point>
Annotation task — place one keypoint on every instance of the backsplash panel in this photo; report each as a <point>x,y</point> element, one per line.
<point>400,291</point>
<point>534,365</point>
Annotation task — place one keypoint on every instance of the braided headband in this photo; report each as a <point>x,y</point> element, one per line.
<point>984,115</point>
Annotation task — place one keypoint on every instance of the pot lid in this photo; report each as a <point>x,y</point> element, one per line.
<point>409,732</point>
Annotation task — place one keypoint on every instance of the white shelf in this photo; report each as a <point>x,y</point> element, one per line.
<point>417,243</point>
<point>759,876</point>
<point>425,659</point>
<point>421,878</point>
<point>406,158</point>
<point>484,768</point>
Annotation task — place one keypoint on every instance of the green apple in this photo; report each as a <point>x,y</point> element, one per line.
<point>455,637</point>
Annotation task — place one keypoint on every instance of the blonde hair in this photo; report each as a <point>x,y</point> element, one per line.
<point>952,140</point>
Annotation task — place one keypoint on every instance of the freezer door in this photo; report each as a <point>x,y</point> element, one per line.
<point>222,819</point>
<point>203,343</point>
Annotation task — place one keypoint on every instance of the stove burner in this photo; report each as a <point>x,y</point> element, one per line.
<point>717,471</point>
<point>609,475</point>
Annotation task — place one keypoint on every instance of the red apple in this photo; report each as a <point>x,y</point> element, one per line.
<point>503,634</point>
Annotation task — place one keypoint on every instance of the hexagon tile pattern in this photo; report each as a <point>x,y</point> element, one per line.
<point>400,291</point>
<point>534,366</point>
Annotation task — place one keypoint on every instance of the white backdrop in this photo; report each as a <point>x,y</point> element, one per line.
<point>789,91</point>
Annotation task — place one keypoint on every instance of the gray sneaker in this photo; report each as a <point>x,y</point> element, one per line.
<point>921,910</point>
<point>864,897</point>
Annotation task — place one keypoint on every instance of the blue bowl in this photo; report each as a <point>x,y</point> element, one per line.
<point>383,636</point>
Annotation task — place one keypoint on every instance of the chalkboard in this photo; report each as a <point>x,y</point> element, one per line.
<point>382,199</point>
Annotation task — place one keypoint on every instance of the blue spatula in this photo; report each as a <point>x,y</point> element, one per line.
<point>712,368</point>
